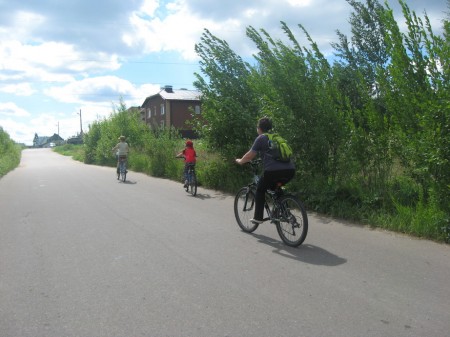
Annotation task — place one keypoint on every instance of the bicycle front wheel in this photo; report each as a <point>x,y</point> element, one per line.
<point>244,208</point>
<point>292,221</point>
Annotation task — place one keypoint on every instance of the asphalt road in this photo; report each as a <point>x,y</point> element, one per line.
<point>82,254</point>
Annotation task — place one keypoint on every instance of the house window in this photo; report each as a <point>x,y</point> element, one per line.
<point>197,109</point>
<point>149,112</point>
<point>162,109</point>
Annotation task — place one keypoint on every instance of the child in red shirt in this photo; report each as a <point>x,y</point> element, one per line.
<point>189,155</point>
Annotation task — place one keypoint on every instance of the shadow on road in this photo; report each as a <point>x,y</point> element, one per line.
<point>128,182</point>
<point>305,253</point>
<point>203,196</point>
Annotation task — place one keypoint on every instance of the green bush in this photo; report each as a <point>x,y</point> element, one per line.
<point>76,151</point>
<point>139,162</point>
<point>10,153</point>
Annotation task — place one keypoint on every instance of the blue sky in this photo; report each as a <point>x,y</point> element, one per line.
<point>58,58</point>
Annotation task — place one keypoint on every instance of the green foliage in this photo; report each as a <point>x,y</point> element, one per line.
<point>229,110</point>
<point>222,174</point>
<point>369,132</point>
<point>76,151</point>
<point>10,153</point>
<point>294,85</point>
<point>103,135</point>
<point>425,219</point>
<point>161,150</point>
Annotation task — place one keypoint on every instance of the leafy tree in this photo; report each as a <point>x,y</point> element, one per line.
<point>297,90</point>
<point>229,109</point>
<point>417,89</point>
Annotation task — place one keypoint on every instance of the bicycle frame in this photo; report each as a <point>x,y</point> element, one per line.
<point>190,172</point>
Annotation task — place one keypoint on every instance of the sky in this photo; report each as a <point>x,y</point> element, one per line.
<point>66,63</point>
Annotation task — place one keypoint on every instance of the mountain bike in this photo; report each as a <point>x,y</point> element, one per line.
<point>282,209</point>
<point>122,169</point>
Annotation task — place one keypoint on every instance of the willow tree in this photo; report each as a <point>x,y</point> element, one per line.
<point>417,89</point>
<point>229,112</point>
<point>295,86</point>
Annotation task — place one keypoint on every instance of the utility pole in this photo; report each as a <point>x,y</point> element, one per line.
<point>81,125</point>
<point>58,127</point>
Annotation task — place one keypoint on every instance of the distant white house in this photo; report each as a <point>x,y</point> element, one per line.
<point>46,141</point>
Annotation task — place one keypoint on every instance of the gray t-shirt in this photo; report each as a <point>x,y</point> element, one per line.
<point>261,145</point>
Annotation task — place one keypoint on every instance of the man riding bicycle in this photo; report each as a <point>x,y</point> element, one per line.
<point>274,171</point>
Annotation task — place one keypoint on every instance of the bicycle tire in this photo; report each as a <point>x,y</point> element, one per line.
<point>123,171</point>
<point>193,183</point>
<point>291,221</point>
<point>244,209</point>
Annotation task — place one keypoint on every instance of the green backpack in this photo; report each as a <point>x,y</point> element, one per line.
<point>279,149</point>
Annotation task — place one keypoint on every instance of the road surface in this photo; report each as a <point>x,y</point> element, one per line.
<point>82,254</point>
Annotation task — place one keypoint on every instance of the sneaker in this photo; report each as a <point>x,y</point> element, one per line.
<point>256,221</point>
<point>185,184</point>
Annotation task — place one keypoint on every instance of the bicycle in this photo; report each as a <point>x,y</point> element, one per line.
<point>122,169</point>
<point>190,178</point>
<point>283,209</point>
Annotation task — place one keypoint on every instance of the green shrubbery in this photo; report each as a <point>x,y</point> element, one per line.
<point>10,153</point>
<point>76,151</point>
<point>371,131</point>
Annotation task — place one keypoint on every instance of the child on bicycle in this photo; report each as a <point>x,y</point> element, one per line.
<point>189,156</point>
<point>121,151</point>
<point>273,171</point>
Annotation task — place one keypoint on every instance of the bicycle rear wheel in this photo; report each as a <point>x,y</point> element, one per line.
<point>292,221</point>
<point>244,208</point>
<point>123,170</point>
<point>193,183</point>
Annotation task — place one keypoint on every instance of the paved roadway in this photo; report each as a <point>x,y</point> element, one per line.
<point>84,255</point>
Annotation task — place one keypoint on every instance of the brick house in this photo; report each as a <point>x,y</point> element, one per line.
<point>171,107</point>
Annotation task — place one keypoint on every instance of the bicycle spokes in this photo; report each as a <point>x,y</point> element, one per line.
<point>293,222</point>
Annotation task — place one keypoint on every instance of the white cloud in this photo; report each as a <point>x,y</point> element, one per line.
<point>11,109</point>
<point>177,31</point>
<point>299,3</point>
<point>50,62</point>
<point>17,131</point>
<point>100,90</point>
<point>149,7</point>
<point>21,89</point>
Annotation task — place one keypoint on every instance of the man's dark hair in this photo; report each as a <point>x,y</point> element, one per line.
<point>265,124</point>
